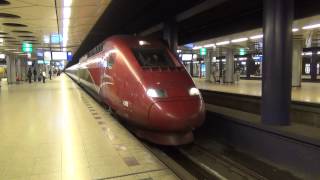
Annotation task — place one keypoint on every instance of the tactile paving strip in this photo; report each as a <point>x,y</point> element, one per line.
<point>130,161</point>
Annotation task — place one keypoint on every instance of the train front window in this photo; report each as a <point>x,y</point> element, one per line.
<point>153,58</point>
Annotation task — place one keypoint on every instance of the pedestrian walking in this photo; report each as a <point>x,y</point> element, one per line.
<point>29,75</point>
<point>35,75</point>
<point>50,74</point>
<point>44,76</point>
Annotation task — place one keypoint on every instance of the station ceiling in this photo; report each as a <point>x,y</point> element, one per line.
<point>34,21</point>
<point>91,21</point>
<point>222,18</point>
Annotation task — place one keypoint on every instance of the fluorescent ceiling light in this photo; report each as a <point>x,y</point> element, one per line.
<point>295,29</point>
<point>257,36</point>
<point>1,40</point>
<point>311,26</point>
<point>46,39</point>
<point>318,52</point>
<point>239,40</point>
<point>17,52</point>
<point>307,53</point>
<point>209,45</point>
<point>223,43</point>
<point>67,2</point>
<point>196,47</point>
<point>66,13</point>
<point>10,49</point>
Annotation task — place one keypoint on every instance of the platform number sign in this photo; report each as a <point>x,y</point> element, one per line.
<point>26,47</point>
<point>203,51</point>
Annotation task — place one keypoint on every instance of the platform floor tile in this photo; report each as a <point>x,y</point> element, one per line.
<point>55,131</point>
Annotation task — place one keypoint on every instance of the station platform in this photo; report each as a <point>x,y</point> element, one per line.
<point>57,131</point>
<point>308,92</point>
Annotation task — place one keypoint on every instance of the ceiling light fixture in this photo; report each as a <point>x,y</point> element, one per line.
<point>295,29</point>
<point>197,47</point>
<point>67,3</point>
<point>209,45</point>
<point>257,36</point>
<point>223,43</point>
<point>239,40</point>
<point>311,26</point>
<point>66,22</point>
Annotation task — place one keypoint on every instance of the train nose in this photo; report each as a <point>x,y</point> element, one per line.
<point>177,115</point>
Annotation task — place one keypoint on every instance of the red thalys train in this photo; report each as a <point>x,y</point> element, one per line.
<point>143,82</point>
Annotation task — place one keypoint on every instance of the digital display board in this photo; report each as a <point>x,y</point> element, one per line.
<point>59,55</point>
<point>56,38</point>
<point>47,55</point>
<point>186,57</point>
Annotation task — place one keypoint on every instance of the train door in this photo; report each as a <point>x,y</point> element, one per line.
<point>126,89</point>
<point>108,89</point>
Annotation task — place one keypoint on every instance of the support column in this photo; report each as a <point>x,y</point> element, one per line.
<point>18,68</point>
<point>296,63</point>
<point>208,66</point>
<point>11,69</point>
<point>170,35</point>
<point>191,68</point>
<point>249,65</point>
<point>229,66</point>
<point>277,64</point>
<point>313,66</point>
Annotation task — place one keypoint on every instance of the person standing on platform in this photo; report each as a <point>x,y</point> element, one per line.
<point>34,75</point>
<point>29,75</point>
<point>50,73</point>
<point>58,74</point>
<point>44,76</point>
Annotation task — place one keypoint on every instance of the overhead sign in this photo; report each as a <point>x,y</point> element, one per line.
<point>47,56</point>
<point>203,51</point>
<point>56,38</point>
<point>59,55</point>
<point>26,47</point>
<point>186,57</point>
<point>242,51</point>
<point>69,56</point>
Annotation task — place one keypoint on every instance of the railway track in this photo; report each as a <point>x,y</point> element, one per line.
<point>204,164</point>
<point>196,161</point>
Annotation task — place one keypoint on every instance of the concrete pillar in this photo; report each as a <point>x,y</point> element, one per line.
<point>11,69</point>
<point>296,63</point>
<point>313,65</point>
<point>191,68</point>
<point>170,35</point>
<point>18,68</point>
<point>229,66</point>
<point>277,64</point>
<point>249,65</point>
<point>208,66</point>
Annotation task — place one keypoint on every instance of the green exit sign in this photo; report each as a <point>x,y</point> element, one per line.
<point>26,47</point>
<point>203,51</point>
<point>242,52</point>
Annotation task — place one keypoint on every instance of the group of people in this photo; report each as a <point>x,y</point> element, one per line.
<point>216,75</point>
<point>41,76</point>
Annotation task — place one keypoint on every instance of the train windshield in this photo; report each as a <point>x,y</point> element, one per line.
<point>153,58</point>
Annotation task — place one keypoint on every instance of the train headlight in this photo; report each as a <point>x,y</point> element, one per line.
<point>156,93</point>
<point>194,91</point>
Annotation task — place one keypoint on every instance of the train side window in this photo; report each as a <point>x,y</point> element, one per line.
<point>111,60</point>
